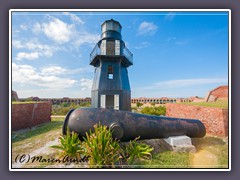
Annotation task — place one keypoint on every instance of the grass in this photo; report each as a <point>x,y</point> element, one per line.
<point>212,152</point>
<point>28,140</point>
<point>219,104</point>
<point>54,124</point>
<point>26,102</point>
<point>167,159</point>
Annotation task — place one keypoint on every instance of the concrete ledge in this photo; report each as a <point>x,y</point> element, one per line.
<point>178,140</point>
<point>180,144</point>
<point>175,144</point>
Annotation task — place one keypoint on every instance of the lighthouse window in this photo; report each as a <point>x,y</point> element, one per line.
<point>110,47</point>
<point>117,47</point>
<point>103,47</point>
<point>110,72</point>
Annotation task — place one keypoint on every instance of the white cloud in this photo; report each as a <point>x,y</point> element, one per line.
<point>57,30</point>
<point>28,56</point>
<point>147,28</point>
<point>179,88</point>
<point>37,48</point>
<point>86,38</point>
<point>28,75</point>
<point>170,16</point>
<point>37,28</point>
<point>143,45</point>
<point>187,82</point>
<point>17,44</point>
<point>74,18</point>
<point>23,27</point>
<point>86,84</point>
<point>62,33</point>
<point>53,70</point>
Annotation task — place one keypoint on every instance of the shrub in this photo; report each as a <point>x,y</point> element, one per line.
<point>135,150</point>
<point>101,148</point>
<point>63,108</point>
<point>161,110</point>
<point>139,104</point>
<point>70,145</point>
<point>134,108</point>
<point>153,103</point>
<point>85,104</point>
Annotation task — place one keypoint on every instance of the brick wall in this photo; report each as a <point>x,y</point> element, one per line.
<point>220,92</point>
<point>214,119</point>
<point>217,93</point>
<point>29,115</point>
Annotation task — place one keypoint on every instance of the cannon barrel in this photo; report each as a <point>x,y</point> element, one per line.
<point>127,125</point>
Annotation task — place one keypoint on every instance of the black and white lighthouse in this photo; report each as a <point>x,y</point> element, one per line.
<point>111,58</point>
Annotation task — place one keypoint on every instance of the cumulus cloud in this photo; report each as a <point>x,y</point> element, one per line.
<point>23,27</point>
<point>37,28</point>
<point>53,70</point>
<point>28,75</point>
<point>86,84</point>
<point>86,38</point>
<point>37,49</point>
<point>147,28</point>
<point>57,30</point>
<point>74,18</point>
<point>62,32</point>
<point>28,56</point>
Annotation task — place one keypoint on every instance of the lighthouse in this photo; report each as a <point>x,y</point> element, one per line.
<point>111,58</point>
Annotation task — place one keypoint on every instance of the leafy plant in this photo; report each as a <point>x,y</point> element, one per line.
<point>161,110</point>
<point>135,150</point>
<point>139,104</point>
<point>70,144</point>
<point>101,148</point>
<point>153,103</point>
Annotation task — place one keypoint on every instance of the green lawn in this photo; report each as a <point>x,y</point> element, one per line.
<point>219,104</point>
<point>26,102</point>
<point>211,152</point>
<point>28,140</point>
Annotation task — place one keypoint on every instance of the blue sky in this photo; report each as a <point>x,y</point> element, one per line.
<point>176,54</point>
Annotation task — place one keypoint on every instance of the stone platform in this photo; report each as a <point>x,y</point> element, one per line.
<point>174,143</point>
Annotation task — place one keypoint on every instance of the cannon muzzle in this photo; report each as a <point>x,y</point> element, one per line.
<point>127,126</point>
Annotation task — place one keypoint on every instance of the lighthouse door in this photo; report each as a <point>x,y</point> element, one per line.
<point>110,101</point>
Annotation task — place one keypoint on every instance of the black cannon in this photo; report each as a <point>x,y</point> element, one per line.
<point>127,125</point>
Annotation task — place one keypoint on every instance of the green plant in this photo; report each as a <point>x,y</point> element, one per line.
<point>85,104</point>
<point>135,150</point>
<point>134,108</point>
<point>139,104</point>
<point>101,148</point>
<point>70,144</point>
<point>161,110</point>
<point>153,103</point>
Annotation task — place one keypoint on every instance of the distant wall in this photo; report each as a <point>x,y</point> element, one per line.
<point>214,119</point>
<point>29,115</point>
<point>217,93</point>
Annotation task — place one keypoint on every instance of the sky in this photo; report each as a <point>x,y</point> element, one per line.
<point>175,54</point>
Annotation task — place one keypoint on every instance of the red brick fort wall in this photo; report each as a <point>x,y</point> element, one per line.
<point>214,119</point>
<point>29,115</point>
